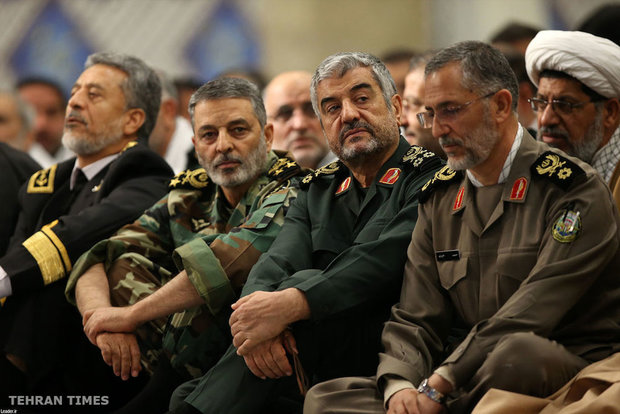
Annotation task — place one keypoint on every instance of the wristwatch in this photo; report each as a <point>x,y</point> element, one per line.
<point>431,392</point>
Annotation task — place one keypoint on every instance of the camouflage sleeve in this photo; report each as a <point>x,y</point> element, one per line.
<point>219,268</point>
<point>148,236</point>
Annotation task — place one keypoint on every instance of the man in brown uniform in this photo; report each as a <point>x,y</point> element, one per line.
<point>511,279</point>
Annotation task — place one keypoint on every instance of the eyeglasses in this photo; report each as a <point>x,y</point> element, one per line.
<point>446,114</point>
<point>559,106</point>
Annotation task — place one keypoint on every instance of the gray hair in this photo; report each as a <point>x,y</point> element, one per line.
<point>142,88</point>
<point>222,88</point>
<point>26,114</point>
<point>340,63</point>
<point>485,69</point>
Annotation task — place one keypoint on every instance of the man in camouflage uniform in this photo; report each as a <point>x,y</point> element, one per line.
<point>212,226</point>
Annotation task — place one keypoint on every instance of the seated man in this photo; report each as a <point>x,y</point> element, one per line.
<point>65,210</point>
<point>578,79</point>
<point>216,223</point>
<point>337,263</point>
<point>512,278</point>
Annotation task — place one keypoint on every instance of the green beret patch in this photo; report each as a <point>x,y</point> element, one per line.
<point>556,168</point>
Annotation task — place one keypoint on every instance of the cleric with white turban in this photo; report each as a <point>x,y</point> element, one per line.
<point>592,60</point>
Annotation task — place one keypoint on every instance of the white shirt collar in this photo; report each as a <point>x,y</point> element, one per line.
<point>91,170</point>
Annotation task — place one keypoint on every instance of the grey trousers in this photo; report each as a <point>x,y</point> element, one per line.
<point>521,362</point>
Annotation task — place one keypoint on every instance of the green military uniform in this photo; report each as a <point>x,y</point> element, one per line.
<point>194,228</point>
<point>345,248</point>
<point>526,271</point>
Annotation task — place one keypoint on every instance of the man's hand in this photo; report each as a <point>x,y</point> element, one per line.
<point>404,402</point>
<point>265,315</point>
<point>268,359</point>
<point>111,319</point>
<point>121,352</point>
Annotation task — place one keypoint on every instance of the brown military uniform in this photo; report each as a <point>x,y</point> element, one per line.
<point>534,259</point>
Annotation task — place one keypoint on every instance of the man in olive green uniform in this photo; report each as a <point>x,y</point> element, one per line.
<point>512,279</point>
<point>337,262</point>
<point>213,225</point>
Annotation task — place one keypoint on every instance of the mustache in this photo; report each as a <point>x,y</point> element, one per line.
<point>445,140</point>
<point>355,125</point>
<point>222,158</point>
<point>75,115</point>
<point>554,131</point>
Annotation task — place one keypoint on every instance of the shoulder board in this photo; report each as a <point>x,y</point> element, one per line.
<point>441,178</point>
<point>283,169</point>
<point>419,158</point>
<point>42,181</point>
<point>558,169</point>
<point>329,169</point>
<point>190,179</point>
<point>130,144</point>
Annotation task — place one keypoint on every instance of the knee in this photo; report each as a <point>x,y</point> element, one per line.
<point>314,402</point>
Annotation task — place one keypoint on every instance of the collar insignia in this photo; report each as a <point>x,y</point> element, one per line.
<point>390,176</point>
<point>344,186</point>
<point>518,189</point>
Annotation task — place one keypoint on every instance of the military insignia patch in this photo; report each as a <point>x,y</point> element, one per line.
<point>518,189</point>
<point>560,170</point>
<point>390,176</point>
<point>416,156</point>
<point>197,178</point>
<point>458,201</point>
<point>441,177</point>
<point>328,169</point>
<point>42,181</point>
<point>568,227</point>
<point>282,167</point>
<point>344,186</point>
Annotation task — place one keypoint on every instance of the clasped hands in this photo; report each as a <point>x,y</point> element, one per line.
<point>112,331</point>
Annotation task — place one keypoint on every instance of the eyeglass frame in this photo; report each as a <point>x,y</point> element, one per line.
<point>452,112</point>
<point>560,102</point>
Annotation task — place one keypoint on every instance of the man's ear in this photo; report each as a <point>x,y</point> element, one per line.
<point>611,115</point>
<point>397,106</point>
<point>268,131</point>
<point>134,119</point>
<point>501,105</point>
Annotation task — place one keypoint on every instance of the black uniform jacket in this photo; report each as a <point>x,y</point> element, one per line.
<point>56,225</point>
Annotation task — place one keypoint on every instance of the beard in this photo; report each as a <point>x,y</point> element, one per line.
<point>247,169</point>
<point>88,142</point>
<point>480,143</point>
<point>381,138</point>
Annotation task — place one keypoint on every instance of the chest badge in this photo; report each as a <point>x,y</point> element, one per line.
<point>390,176</point>
<point>344,186</point>
<point>458,201</point>
<point>518,189</point>
<point>568,227</point>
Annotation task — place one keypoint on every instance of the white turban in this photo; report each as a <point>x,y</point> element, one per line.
<point>592,60</point>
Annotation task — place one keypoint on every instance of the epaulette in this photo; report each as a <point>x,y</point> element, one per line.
<point>191,179</point>
<point>42,181</point>
<point>441,178</point>
<point>329,169</point>
<point>419,158</point>
<point>558,169</point>
<point>283,169</point>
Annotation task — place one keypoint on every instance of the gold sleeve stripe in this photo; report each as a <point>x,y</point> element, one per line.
<point>47,257</point>
<point>47,229</point>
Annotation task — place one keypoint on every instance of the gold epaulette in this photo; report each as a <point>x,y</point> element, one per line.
<point>191,179</point>
<point>418,157</point>
<point>329,169</point>
<point>558,169</point>
<point>42,181</point>
<point>441,177</point>
<point>283,168</point>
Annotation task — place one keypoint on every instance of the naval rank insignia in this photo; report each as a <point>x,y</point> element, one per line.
<point>567,228</point>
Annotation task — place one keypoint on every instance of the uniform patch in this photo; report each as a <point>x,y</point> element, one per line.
<point>344,186</point>
<point>568,227</point>
<point>197,178</point>
<point>42,181</point>
<point>441,177</point>
<point>328,169</point>
<point>458,201</point>
<point>282,167</point>
<point>416,156</point>
<point>560,170</point>
<point>518,189</point>
<point>390,176</point>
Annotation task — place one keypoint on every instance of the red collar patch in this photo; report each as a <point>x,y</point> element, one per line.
<point>390,176</point>
<point>518,189</point>
<point>344,186</point>
<point>458,201</point>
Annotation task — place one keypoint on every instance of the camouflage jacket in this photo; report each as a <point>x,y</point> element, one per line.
<point>194,228</point>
